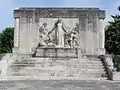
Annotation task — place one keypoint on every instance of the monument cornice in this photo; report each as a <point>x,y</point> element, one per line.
<point>58,12</point>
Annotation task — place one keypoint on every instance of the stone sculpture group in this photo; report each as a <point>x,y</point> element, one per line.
<point>60,32</point>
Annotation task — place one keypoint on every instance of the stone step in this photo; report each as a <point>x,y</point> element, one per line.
<point>79,67</point>
<point>54,61</point>
<point>60,68</point>
<point>56,69</point>
<point>81,62</point>
<point>62,72</point>
<point>73,62</point>
<point>27,78</point>
<point>57,61</point>
<point>55,64</point>
<point>80,74</point>
<point>67,59</point>
<point>61,60</point>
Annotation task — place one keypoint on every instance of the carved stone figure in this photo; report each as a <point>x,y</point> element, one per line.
<point>72,41</point>
<point>43,35</point>
<point>59,33</point>
<point>76,29</point>
<point>43,29</point>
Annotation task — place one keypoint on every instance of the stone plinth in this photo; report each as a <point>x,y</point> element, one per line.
<point>57,52</point>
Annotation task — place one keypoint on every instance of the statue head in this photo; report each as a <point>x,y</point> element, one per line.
<point>59,19</point>
<point>44,24</point>
<point>77,24</point>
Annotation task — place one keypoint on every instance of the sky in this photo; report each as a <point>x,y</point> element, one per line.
<point>7,7</point>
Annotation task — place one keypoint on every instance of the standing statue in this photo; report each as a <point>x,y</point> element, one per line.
<point>59,33</point>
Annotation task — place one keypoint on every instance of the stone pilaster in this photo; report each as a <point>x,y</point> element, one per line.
<point>16,32</point>
<point>102,33</point>
<point>101,17</point>
<point>83,28</point>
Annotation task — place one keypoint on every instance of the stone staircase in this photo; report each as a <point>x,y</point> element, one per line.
<point>86,68</point>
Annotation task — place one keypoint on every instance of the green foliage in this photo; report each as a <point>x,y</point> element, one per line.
<point>6,40</point>
<point>117,65</point>
<point>112,36</point>
<point>119,8</point>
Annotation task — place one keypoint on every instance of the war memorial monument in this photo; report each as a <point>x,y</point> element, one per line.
<point>58,44</point>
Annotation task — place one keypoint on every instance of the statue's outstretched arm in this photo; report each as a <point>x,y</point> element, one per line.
<point>64,28</point>
<point>52,30</point>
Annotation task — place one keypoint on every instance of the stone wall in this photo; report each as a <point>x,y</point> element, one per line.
<point>27,23</point>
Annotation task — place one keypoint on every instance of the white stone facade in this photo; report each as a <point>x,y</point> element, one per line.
<point>28,20</point>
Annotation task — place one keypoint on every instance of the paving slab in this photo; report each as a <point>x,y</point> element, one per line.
<point>59,85</point>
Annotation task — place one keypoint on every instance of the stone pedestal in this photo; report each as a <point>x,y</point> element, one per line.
<point>57,52</point>
<point>16,32</point>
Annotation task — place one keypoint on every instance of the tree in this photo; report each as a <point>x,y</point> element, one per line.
<point>6,40</point>
<point>119,8</point>
<point>112,36</point>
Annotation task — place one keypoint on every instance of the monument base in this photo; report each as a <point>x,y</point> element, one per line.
<point>56,68</point>
<point>57,52</point>
<point>55,64</point>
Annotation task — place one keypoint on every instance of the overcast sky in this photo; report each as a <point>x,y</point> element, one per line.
<point>7,6</point>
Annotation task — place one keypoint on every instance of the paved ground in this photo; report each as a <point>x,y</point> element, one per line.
<point>59,85</point>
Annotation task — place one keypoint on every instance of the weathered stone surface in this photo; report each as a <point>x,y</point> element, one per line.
<point>61,39</point>
<point>59,85</point>
<point>91,31</point>
<point>116,76</point>
<point>57,52</point>
<point>57,68</point>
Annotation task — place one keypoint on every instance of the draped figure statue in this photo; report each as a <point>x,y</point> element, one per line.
<point>59,33</point>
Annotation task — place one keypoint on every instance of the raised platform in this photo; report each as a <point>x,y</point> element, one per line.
<point>55,64</point>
